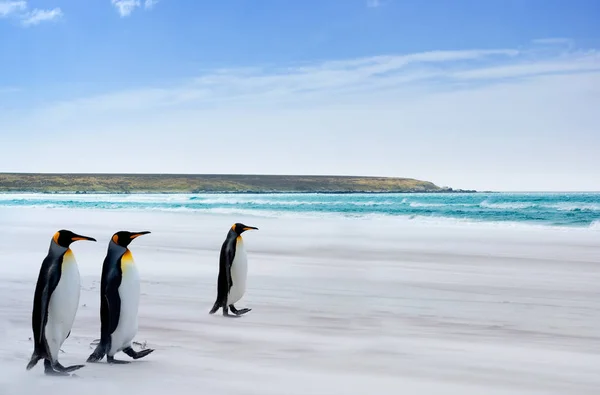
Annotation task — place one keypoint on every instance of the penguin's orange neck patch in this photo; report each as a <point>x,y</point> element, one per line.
<point>126,261</point>
<point>68,258</point>
<point>55,237</point>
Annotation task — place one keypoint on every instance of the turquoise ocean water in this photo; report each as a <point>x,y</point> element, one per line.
<point>580,210</point>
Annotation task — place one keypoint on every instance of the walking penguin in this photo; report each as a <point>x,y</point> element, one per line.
<point>233,270</point>
<point>119,300</point>
<point>55,303</point>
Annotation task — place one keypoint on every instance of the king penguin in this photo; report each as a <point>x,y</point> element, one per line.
<point>119,300</point>
<point>55,303</point>
<point>233,270</point>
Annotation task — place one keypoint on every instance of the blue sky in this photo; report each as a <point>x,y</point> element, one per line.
<point>476,94</point>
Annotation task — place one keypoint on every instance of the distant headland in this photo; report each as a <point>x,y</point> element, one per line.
<point>210,183</point>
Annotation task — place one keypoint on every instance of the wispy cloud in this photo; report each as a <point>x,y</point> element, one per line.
<point>11,7</point>
<point>37,16</point>
<point>553,41</point>
<point>318,81</point>
<point>573,63</point>
<point>149,4</point>
<point>19,9</point>
<point>374,3</point>
<point>397,76</point>
<point>399,113</point>
<point>127,7</point>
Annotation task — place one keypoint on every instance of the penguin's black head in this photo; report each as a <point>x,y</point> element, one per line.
<point>241,228</point>
<point>64,238</point>
<point>124,238</point>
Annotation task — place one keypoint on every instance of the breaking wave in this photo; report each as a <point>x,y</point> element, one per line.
<point>543,209</point>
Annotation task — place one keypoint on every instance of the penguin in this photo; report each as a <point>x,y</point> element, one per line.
<point>233,269</point>
<point>55,303</point>
<point>119,300</point>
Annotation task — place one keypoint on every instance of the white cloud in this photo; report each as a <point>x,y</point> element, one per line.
<point>318,82</point>
<point>18,9</point>
<point>349,80</point>
<point>502,119</point>
<point>588,61</point>
<point>126,7</point>
<point>37,16</point>
<point>553,41</point>
<point>149,4</point>
<point>11,7</point>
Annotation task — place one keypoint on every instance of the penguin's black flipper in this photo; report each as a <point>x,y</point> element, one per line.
<point>240,311</point>
<point>48,279</point>
<point>110,306</point>
<point>110,310</point>
<point>137,355</point>
<point>224,281</point>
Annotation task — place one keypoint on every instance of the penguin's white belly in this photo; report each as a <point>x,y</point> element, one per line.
<point>239,272</point>
<point>63,305</point>
<point>129,292</point>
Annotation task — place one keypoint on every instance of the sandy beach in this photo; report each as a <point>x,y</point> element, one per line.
<point>346,306</point>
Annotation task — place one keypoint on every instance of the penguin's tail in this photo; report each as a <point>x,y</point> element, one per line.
<point>35,358</point>
<point>98,353</point>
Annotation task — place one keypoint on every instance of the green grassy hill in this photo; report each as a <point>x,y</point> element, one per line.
<point>185,183</point>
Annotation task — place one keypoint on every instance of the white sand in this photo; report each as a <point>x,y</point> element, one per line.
<point>339,307</point>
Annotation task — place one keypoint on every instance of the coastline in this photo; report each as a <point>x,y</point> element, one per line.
<point>249,192</point>
<point>210,183</point>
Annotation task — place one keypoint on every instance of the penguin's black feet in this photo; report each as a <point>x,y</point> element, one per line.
<point>137,355</point>
<point>240,311</point>
<point>226,313</point>
<point>68,369</point>
<point>113,361</point>
<point>50,371</point>
<point>94,358</point>
<point>98,353</point>
<point>218,304</point>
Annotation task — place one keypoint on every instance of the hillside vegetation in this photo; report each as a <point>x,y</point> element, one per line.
<point>184,183</point>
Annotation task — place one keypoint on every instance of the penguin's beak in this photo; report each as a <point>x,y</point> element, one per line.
<point>79,237</point>
<point>138,234</point>
<point>249,228</point>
